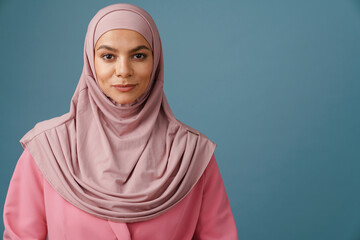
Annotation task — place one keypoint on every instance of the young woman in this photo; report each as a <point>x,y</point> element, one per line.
<point>118,165</point>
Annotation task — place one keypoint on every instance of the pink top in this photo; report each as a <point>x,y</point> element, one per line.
<point>33,210</point>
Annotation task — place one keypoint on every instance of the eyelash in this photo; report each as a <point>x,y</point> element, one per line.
<point>143,56</point>
<point>137,56</point>
<point>105,57</point>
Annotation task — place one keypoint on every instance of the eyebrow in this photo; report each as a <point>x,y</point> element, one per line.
<point>132,50</point>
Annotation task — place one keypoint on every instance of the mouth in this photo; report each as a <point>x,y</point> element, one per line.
<point>124,87</point>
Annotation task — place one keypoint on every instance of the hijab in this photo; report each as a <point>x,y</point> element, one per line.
<point>120,162</point>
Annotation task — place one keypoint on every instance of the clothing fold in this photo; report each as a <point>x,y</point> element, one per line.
<point>120,162</point>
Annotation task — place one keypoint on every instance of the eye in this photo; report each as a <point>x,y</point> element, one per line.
<point>107,57</point>
<point>139,56</point>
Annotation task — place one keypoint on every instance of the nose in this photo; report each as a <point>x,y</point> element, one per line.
<point>123,67</point>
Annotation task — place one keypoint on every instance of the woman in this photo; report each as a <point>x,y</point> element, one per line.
<point>118,165</point>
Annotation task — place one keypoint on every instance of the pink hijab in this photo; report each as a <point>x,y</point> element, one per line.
<point>124,163</point>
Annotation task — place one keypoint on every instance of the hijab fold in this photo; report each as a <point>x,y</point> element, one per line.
<point>120,162</point>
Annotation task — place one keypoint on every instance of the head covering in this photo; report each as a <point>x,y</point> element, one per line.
<point>120,162</point>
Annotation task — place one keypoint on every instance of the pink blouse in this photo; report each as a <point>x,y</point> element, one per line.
<point>34,210</point>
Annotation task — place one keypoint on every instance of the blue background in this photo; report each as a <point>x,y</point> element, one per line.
<point>274,83</point>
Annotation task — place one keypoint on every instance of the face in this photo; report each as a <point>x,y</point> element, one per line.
<point>123,64</point>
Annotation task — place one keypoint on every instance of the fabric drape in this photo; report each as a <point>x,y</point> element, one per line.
<point>120,162</point>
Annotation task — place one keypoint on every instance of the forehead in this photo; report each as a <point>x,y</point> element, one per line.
<point>122,38</point>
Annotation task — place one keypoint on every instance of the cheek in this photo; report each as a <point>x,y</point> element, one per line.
<point>143,72</point>
<point>103,71</point>
<point>147,70</point>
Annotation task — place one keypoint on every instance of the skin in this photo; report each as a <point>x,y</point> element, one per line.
<point>123,57</point>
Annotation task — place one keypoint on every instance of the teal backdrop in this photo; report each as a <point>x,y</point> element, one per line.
<point>276,84</point>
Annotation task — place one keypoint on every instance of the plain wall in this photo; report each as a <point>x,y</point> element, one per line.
<point>274,83</point>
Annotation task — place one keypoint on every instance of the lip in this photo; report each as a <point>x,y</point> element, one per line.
<point>124,87</point>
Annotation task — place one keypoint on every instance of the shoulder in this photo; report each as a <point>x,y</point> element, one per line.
<point>43,126</point>
<point>203,142</point>
<point>192,131</point>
